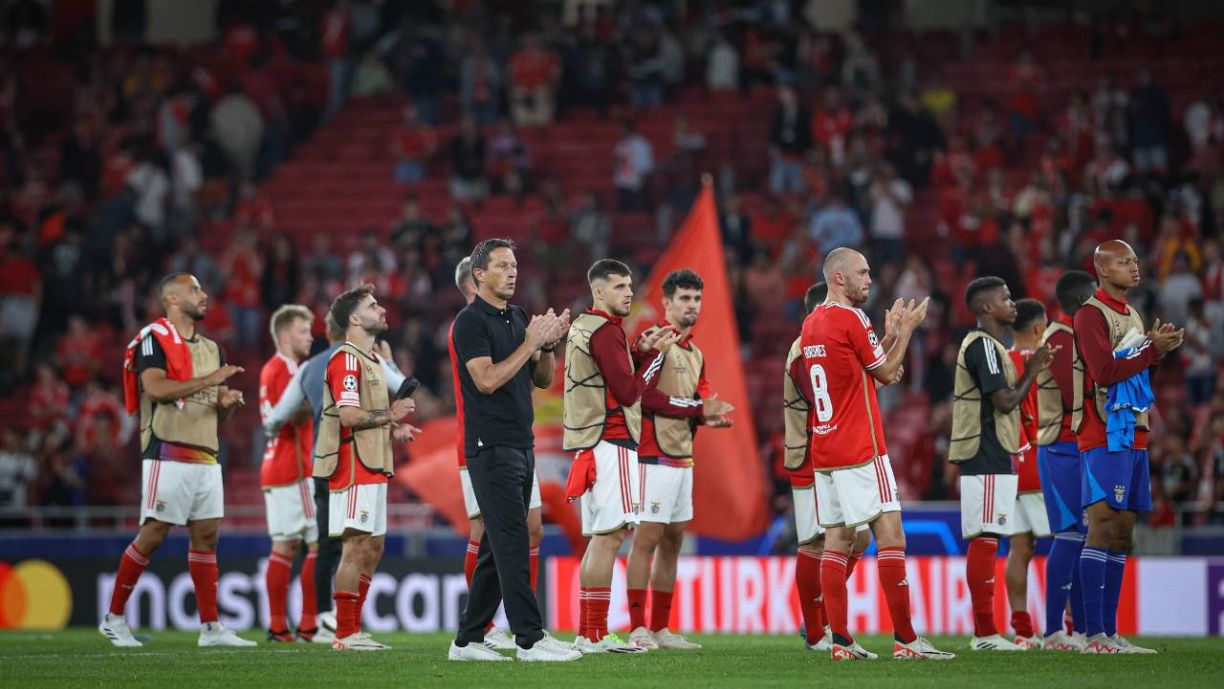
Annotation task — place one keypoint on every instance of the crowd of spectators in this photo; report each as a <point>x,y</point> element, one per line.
<point>100,198</point>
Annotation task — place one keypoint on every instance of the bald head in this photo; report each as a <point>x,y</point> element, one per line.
<point>848,276</point>
<point>1111,249</point>
<point>1116,265</point>
<point>838,261</point>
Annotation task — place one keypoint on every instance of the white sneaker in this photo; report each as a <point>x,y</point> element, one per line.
<point>852,652</point>
<point>1028,643</point>
<point>320,637</point>
<point>327,620</point>
<point>1061,641</point>
<point>609,644</point>
<point>359,642</point>
<point>1125,647</point>
<point>664,638</point>
<point>1101,644</point>
<point>499,640</point>
<point>548,650</point>
<point>993,643</point>
<point>919,649</point>
<point>642,638</point>
<point>1079,640</point>
<point>823,646</point>
<point>115,628</point>
<point>473,653</point>
<point>217,634</point>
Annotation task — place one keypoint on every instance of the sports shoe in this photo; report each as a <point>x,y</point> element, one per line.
<point>1079,640</point>
<point>217,634</point>
<point>115,628</point>
<point>361,642</point>
<point>472,653</point>
<point>499,640</point>
<point>1061,641</point>
<point>642,638</point>
<point>285,637</point>
<point>1125,647</point>
<point>548,650</point>
<point>609,644</point>
<point>823,646</point>
<point>327,621</point>
<point>993,642</point>
<point>1101,644</point>
<point>919,649</point>
<point>852,652</point>
<point>317,635</point>
<point>1028,643</point>
<point>666,639</point>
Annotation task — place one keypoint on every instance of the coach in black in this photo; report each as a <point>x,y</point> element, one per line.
<point>501,355</point>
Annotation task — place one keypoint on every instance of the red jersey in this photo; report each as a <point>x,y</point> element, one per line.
<point>287,458</point>
<point>1026,466</point>
<point>344,380</point>
<point>454,359</point>
<point>839,350</point>
<point>803,476</point>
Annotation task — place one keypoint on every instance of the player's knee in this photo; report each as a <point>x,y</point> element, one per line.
<point>535,533</point>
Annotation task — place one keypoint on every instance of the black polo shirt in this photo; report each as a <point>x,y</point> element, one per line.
<point>504,417</point>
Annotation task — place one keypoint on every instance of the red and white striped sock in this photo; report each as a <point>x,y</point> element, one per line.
<point>131,566</point>
<point>833,584</point>
<point>469,561</point>
<point>583,612</point>
<point>534,562</point>
<point>276,582</point>
<point>203,568</point>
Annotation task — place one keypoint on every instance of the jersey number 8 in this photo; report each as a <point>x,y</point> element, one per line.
<point>820,394</point>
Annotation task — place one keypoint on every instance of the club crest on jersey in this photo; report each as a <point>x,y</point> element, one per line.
<point>365,516</point>
<point>161,505</point>
<point>1119,492</point>
<point>1002,520</point>
<point>350,383</point>
<point>654,506</point>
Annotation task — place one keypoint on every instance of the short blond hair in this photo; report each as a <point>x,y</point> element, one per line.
<point>284,317</point>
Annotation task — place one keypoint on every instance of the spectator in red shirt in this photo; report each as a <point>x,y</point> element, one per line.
<point>534,71</point>
<point>79,353</point>
<point>48,399</point>
<point>413,144</point>
<point>336,28</point>
<point>242,267</point>
<point>20,300</point>
<point>253,211</point>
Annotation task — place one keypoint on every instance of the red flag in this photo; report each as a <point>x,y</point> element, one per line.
<point>729,497</point>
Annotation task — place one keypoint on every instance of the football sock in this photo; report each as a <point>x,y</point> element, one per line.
<point>203,568</point>
<point>852,562</point>
<point>599,600</point>
<point>660,609</point>
<point>1115,567</point>
<point>891,565</point>
<point>584,612</point>
<point>276,581</point>
<point>1092,576</point>
<point>1060,567</point>
<point>833,584</point>
<point>346,613</point>
<point>310,608</point>
<point>469,560</point>
<point>807,582</point>
<point>1022,622</point>
<point>363,588</point>
<point>131,565</point>
<point>534,562</point>
<point>980,576</point>
<point>637,608</point>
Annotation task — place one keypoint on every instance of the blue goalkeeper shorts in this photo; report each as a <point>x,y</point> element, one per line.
<point>1060,467</point>
<point>1120,479</point>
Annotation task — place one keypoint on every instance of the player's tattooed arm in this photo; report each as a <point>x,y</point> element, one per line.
<point>361,419</point>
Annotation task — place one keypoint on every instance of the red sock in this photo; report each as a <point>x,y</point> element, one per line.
<point>600,599</point>
<point>855,556</point>
<point>469,560</point>
<point>276,580</point>
<point>363,587</point>
<point>583,612</point>
<point>660,609</point>
<point>310,606</point>
<point>346,613</point>
<point>891,564</point>
<point>833,584</point>
<point>534,559</point>
<point>1068,621</point>
<point>980,575</point>
<point>637,608</point>
<point>131,565</point>
<point>203,568</point>
<point>807,581</point>
<point>1022,623</point>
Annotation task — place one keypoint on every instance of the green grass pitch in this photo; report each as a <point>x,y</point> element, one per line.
<point>79,658</point>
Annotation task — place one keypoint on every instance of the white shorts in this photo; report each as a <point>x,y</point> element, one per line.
<point>613,502</point>
<point>291,512</point>
<point>988,504</point>
<point>361,507</point>
<point>469,496</point>
<point>667,493</point>
<point>1031,515</point>
<point>807,528</point>
<point>180,492</point>
<point>855,496</point>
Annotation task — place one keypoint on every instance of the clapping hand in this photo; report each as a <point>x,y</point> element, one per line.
<point>405,433</point>
<point>230,398</point>
<point>1166,337</point>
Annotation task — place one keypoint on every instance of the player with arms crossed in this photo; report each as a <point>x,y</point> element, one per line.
<point>353,450</point>
<point>665,460</point>
<point>1058,458</point>
<point>1030,522</point>
<point>285,478</point>
<point>602,420</point>
<point>176,377</point>
<point>797,422</point>
<point>986,437</point>
<point>494,638</point>
<point>1116,482</point>
<point>843,360</point>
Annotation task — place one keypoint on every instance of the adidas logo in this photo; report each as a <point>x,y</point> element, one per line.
<point>990,582</point>
<point>904,582</point>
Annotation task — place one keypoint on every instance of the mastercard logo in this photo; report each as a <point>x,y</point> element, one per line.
<point>34,594</point>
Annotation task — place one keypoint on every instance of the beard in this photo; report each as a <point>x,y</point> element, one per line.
<point>195,313</point>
